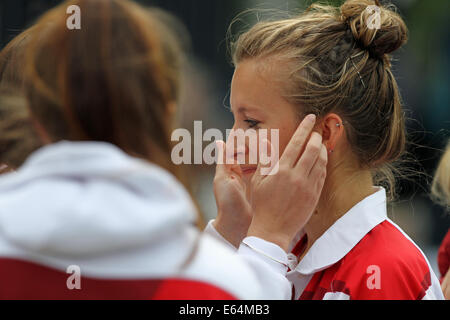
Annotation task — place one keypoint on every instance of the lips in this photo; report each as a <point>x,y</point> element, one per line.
<point>248,170</point>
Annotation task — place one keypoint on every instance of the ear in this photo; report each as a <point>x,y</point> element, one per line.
<point>332,129</point>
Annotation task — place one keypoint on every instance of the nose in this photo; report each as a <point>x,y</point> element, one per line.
<point>240,146</point>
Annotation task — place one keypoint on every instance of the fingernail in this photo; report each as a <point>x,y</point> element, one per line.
<point>311,117</point>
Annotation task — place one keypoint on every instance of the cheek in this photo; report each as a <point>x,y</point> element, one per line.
<point>286,122</point>
<point>285,135</point>
<point>284,140</point>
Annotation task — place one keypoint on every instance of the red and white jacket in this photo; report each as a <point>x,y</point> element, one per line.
<point>83,220</point>
<point>363,255</point>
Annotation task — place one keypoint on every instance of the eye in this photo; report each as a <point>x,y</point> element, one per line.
<point>252,123</point>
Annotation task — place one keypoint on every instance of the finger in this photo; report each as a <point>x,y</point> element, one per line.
<point>263,151</point>
<point>310,155</point>
<point>318,172</point>
<point>268,158</point>
<point>295,146</point>
<point>235,148</point>
<point>221,161</point>
<point>235,168</point>
<point>223,169</point>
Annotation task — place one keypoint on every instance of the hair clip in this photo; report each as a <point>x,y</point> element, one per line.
<point>351,59</point>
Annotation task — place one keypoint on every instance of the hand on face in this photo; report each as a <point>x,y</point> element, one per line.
<point>234,212</point>
<point>282,203</point>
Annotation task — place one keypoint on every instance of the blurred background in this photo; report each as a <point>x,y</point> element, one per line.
<point>421,67</point>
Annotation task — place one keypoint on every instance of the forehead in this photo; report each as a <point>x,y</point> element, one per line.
<point>250,83</point>
<point>257,84</point>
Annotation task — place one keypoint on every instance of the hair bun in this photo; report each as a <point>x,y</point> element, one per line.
<point>363,22</point>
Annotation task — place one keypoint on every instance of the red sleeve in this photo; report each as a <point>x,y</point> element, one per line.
<point>444,255</point>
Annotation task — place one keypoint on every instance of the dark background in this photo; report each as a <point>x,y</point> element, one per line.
<point>421,68</point>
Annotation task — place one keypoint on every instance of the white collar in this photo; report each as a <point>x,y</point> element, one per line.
<point>345,233</point>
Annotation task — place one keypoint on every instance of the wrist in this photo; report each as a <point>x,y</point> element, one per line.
<point>230,231</point>
<point>281,239</point>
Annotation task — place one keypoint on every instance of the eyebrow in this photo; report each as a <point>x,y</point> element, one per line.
<point>242,109</point>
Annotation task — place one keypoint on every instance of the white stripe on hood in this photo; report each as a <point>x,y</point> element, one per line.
<point>78,199</point>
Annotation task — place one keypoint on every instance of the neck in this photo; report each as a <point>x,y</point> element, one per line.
<point>343,189</point>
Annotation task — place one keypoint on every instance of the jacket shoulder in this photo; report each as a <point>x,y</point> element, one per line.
<point>385,264</point>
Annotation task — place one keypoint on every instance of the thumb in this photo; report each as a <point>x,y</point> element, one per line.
<point>268,158</point>
<point>264,162</point>
<point>220,161</point>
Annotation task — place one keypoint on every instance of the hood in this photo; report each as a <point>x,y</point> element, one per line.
<point>89,198</point>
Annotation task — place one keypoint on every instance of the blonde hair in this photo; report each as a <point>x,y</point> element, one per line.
<point>440,189</point>
<point>338,64</point>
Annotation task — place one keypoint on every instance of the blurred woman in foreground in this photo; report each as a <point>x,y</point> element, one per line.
<point>101,200</point>
<point>18,138</point>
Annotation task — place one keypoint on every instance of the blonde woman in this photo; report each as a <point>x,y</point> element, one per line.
<point>330,62</point>
<point>441,193</point>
